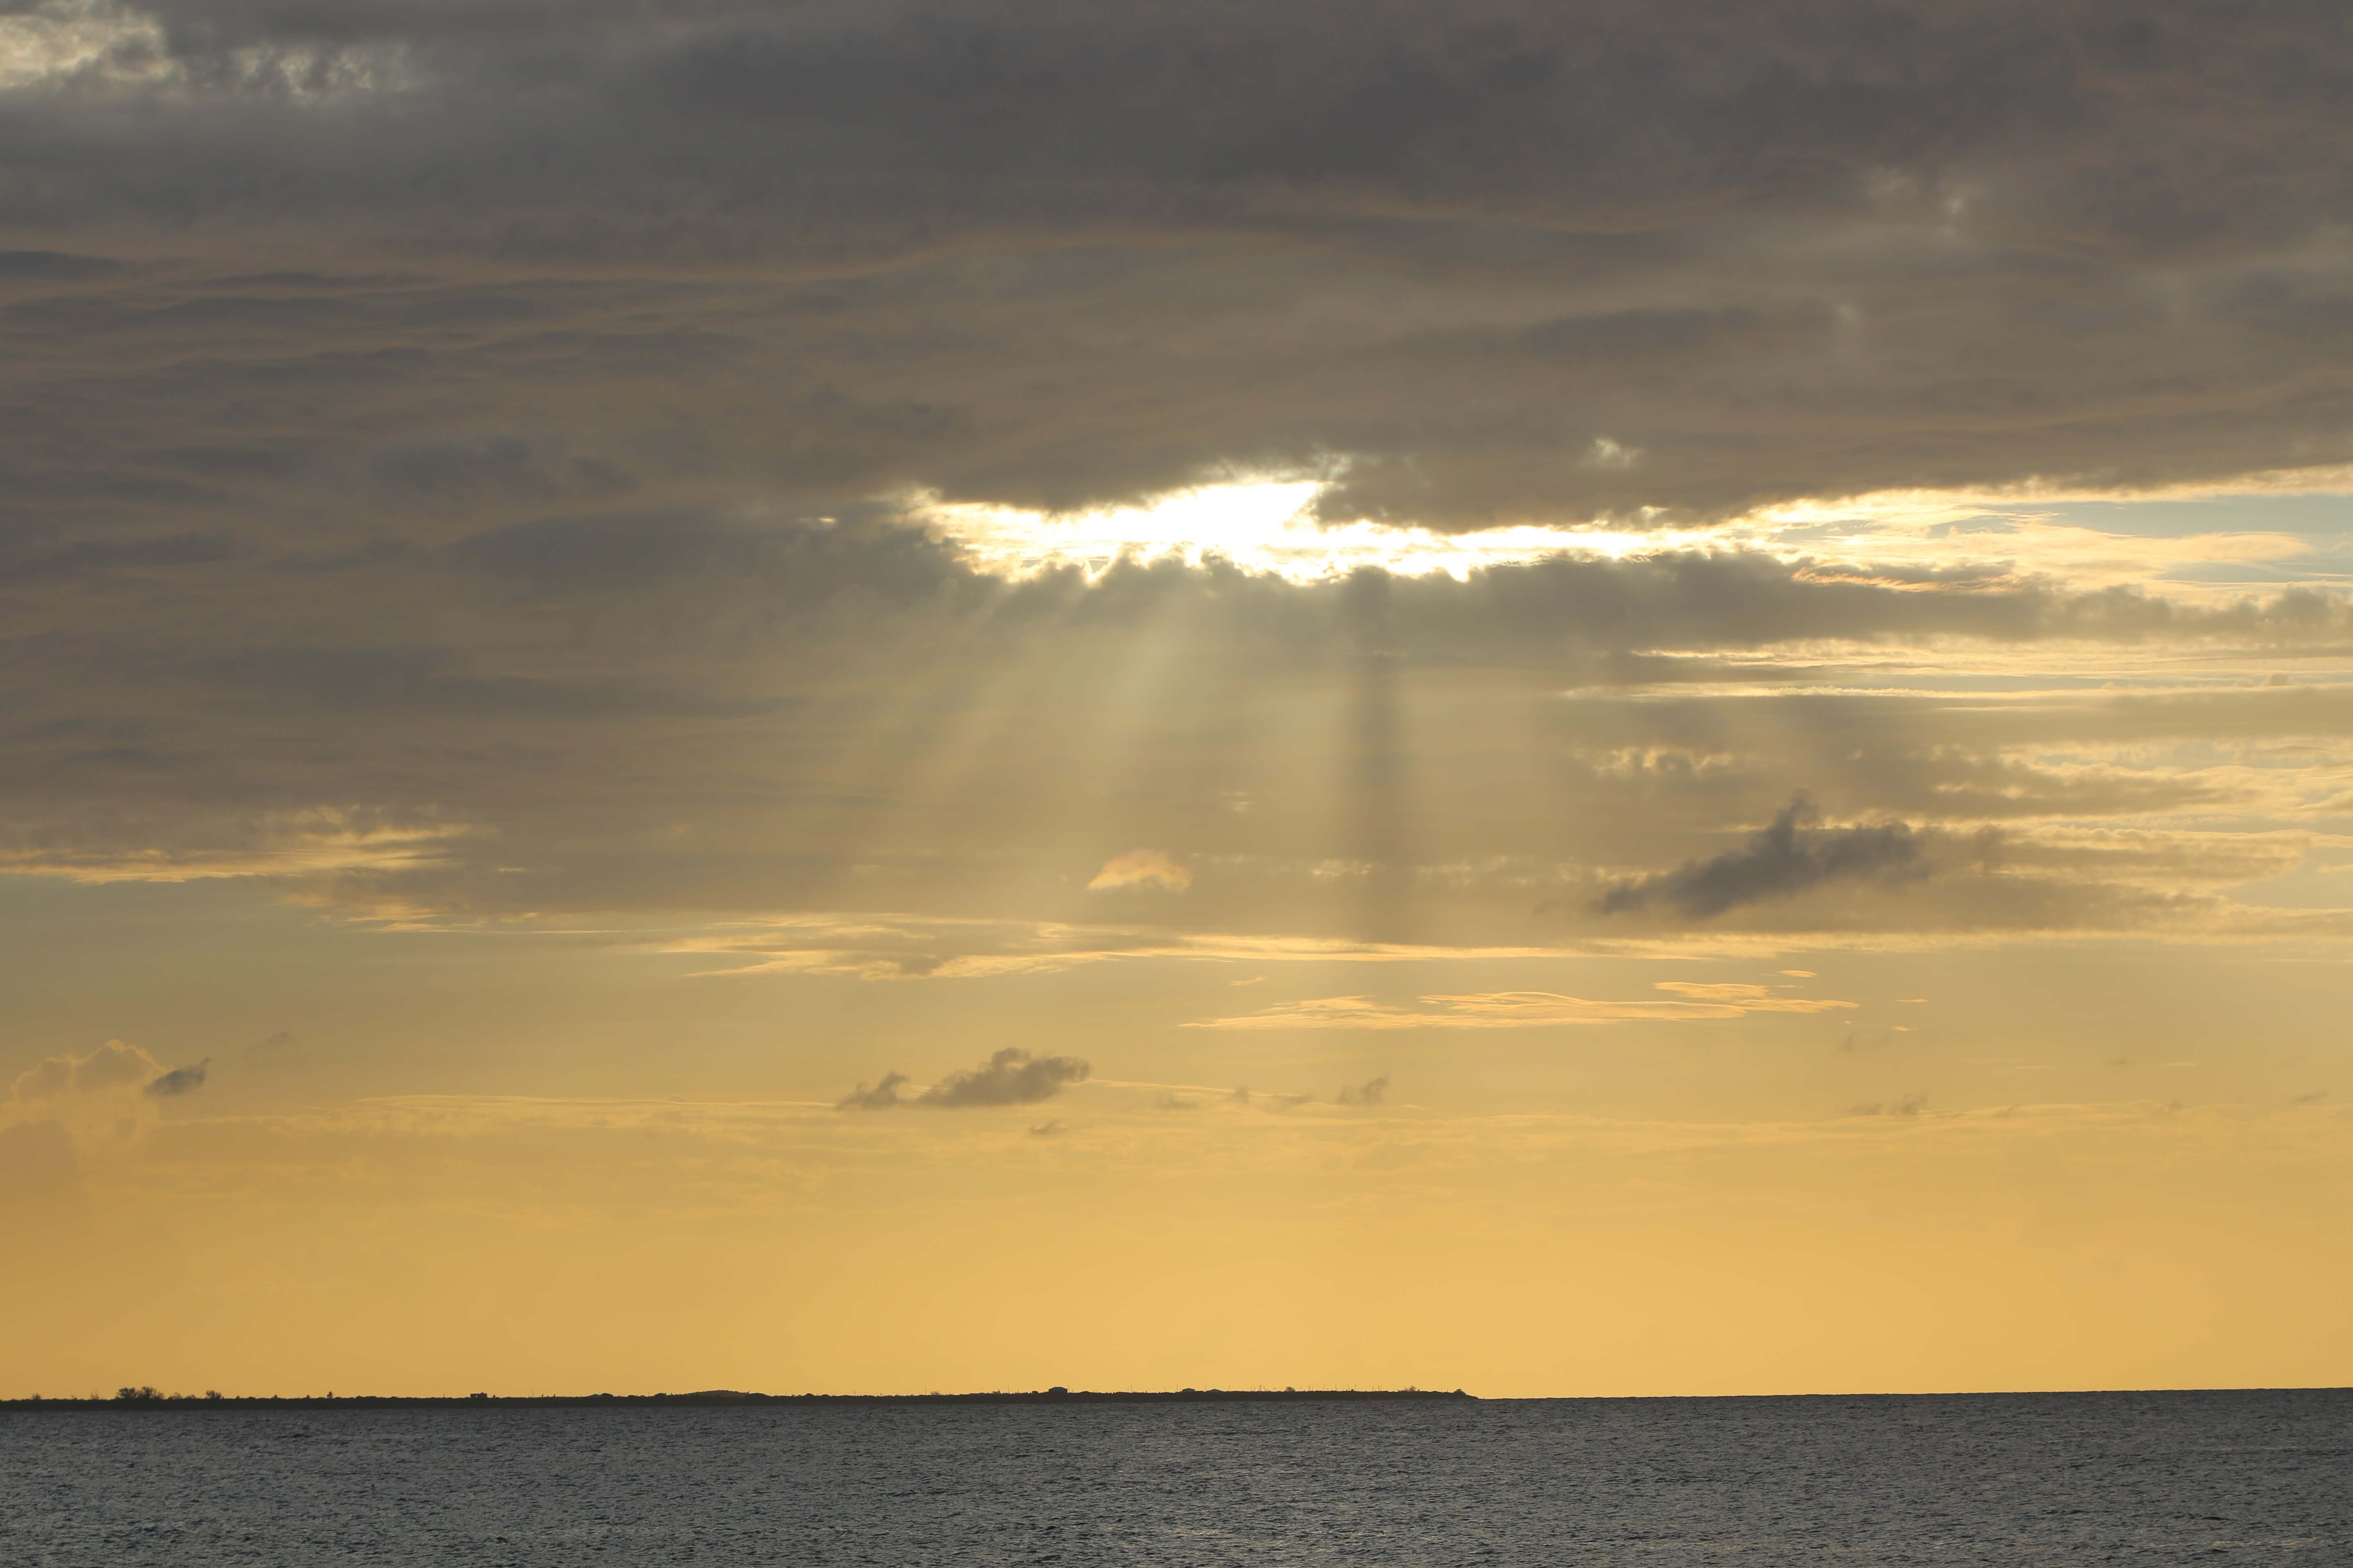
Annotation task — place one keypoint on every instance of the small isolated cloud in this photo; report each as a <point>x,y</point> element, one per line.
<point>1372,1091</point>
<point>1782,859</point>
<point>278,1050</point>
<point>2314,1097</point>
<point>1011,1076</point>
<point>1141,868</point>
<point>1910,1105</point>
<point>179,1082</point>
<point>882,1095</point>
<point>1049,1129</point>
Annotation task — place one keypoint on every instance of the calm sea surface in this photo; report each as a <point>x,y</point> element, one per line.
<point>2107,1478</point>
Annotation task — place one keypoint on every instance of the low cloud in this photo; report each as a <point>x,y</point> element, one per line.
<point>102,1069</point>
<point>1372,1091</point>
<point>179,1082</point>
<point>1782,859</point>
<point>274,1051</point>
<point>884,1096</point>
<point>1010,1076</point>
<point>1910,1105</point>
<point>1141,868</point>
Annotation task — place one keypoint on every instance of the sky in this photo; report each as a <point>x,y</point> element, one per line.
<point>1629,698</point>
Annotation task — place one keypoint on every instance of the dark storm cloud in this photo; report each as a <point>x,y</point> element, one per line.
<point>1786,857</point>
<point>179,1082</point>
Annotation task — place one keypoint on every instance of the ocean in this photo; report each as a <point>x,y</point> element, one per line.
<point>2112,1479</point>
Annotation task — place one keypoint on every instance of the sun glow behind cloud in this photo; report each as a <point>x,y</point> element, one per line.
<point>1266,527</point>
<point>1270,527</point>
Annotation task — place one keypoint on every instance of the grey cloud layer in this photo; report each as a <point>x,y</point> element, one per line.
<point>455,456</point>
<point>1027,250</point>
<point>842,718</point>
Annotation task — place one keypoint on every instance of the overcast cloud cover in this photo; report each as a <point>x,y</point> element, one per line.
<point>1708,637</point>
<point>414,409</point>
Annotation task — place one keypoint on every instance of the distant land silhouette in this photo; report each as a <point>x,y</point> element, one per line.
<point>142,1398</point>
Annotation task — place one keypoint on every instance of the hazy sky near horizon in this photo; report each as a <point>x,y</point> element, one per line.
<point>1591,698</point>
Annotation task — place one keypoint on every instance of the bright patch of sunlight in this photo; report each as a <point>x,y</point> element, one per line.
<point>1267,527</point>
<point>102,45</point>
<point>64,39</point>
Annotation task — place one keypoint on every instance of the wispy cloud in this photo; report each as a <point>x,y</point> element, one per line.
<point>1521,1010</point>
<point>1141,868</point>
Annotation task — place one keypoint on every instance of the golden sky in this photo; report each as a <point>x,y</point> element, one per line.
<point>836,700</point>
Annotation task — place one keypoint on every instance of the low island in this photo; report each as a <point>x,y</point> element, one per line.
<point>145,1398</point>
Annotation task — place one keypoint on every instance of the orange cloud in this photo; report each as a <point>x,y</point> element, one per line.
<point>1141,868</point>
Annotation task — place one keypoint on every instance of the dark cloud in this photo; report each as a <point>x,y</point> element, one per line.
<point>275,1051</point>
<point>53,265</point>
<point>1010,1077</point>
<point>179,1082</point>
<point>1033,250</point>
<point>884,1096</point>
<point>1908,1105</point>
<point>460,463</point>
<point>1786,857</point>
<point>1372,1091</point>
<point>346,679</point>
